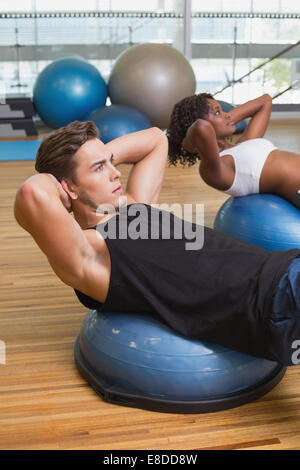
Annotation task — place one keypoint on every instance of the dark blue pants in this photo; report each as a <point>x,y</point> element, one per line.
<point>284,324</point>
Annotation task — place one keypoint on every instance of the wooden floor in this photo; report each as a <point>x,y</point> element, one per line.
<point>44,402</point>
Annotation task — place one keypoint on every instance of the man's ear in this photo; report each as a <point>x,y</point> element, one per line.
<point>69,188</point>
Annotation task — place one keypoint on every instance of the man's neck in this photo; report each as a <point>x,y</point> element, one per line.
<point>88,216</point>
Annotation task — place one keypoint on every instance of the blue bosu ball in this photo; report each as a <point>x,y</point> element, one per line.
<point>266,220</point>
<point>67,90</point>
<point>135,360</point>
<point>117,120</point>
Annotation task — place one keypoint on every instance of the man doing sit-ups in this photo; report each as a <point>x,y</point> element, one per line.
<point>225,291</point>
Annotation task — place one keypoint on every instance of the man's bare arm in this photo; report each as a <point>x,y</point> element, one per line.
<point>148,151</point>
<point>41,208</point>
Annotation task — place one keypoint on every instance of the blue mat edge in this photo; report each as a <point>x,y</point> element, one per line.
<point>19,150</point>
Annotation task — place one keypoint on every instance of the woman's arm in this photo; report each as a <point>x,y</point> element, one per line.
<point>201,138</point>
<point>259,111</point>
<point>42,209</point>
<point>147,150</point>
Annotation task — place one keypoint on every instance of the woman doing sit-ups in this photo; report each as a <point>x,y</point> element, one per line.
<point>200,130</point>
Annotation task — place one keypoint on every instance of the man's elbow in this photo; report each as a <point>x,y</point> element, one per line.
<point>22,200</point>
<point>157,130</point>
<point>27,199</point>
<point>161,140</point>
<point>157,133</point>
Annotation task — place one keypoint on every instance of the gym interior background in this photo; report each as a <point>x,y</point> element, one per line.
<point>237,51</point>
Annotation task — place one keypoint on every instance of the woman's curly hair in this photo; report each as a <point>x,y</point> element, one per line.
<point>184,113</point>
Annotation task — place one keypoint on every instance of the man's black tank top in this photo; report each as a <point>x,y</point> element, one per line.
<point>221,293</point>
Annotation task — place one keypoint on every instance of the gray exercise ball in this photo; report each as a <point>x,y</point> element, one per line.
<point>151,78</point>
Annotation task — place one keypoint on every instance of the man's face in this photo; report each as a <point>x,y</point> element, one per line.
<point>97,180</point>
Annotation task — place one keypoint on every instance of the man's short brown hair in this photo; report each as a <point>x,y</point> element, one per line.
<point>57,149</point>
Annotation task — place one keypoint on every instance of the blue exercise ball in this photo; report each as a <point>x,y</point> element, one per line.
<point>266,220</point>
<point>227,107</point>
<point>117,120</point>
<point>135,360</point>
<point>67,90</point>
